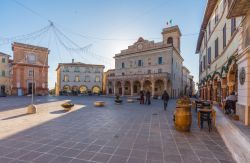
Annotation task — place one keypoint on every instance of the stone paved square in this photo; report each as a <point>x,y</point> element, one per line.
<point>129,133</point>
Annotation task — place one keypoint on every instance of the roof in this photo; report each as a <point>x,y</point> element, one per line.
<point>3,54</point>
<point>79,64</point>
<point>208,12</point>
<point>174,28</point>
<point>29,46</point>
<point>184,67</point>
<point>238,8</point>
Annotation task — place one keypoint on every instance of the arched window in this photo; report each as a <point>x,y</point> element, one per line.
<point>170,40</point>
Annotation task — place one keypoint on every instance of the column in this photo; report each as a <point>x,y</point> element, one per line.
<point>230,87</point>
<point>165,85</point>
<point>153,88</point>
<point>123,88</point>
<point>208,92</point>
<point>224,92</point>
<point>107,90</point>
<point>114,89</point>
<point>132,88</point>
<point>215,93</point>
<point>141,83</point>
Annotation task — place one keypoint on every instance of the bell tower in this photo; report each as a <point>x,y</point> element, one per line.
<point>171,36</point>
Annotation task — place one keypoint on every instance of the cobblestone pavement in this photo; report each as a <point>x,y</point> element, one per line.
<point>127,133</point>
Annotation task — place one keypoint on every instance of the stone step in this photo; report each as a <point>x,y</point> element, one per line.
<point>236,141</point>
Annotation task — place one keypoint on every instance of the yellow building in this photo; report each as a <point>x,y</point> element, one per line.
<point>5,86</point>
<point>79,78</point>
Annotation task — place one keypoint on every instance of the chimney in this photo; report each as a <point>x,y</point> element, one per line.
<point>72,60</point>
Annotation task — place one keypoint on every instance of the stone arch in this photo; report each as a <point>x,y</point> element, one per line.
<point>110,87</point>
<point>147,86</point>
<point>217,91</point>
<point>159,87</point>
<point>127,88</point>
<point>96,89</point>
<point>136,87</point>
<point>83,89</point>
<point>66,88</point>
<point>118,87</point>
<point>170,40</point>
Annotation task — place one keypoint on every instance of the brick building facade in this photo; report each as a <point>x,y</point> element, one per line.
<point>29,58</point>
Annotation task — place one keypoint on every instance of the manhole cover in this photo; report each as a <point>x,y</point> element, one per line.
<point>116,136</point>
<point>155,114</point>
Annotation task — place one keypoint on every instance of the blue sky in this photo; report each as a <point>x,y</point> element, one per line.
<point>109,26</point>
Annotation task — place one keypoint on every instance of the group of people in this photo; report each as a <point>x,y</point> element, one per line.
<point>165,98</point>
<point>147,101</point>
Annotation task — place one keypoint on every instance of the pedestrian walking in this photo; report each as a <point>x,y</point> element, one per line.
<point>165,98</point>
<point>148,95</point>
<point>141,97</point>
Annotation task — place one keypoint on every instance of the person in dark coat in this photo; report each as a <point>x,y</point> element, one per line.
<point>141,97</point>
<point>148,95</point>
<point>165,98</point>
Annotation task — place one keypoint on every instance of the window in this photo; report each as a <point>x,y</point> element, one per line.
<point>160,60</point>
<point>123,65</point>
<point>233,25</point>
<point>30,73</point>
<point>140,63</point>
<point>87,79</point>
<point>224,36</point>
<point>216,18</point>
<point>66,78</point>
<point>209,55</point>
<point>170,40</point>
<point>3,60</point>
<point>31,58</point>
<point>149,71</point>
<point>123,74</point>
<point>77,78</point>
<point>87,70</point>
<point>97,79</point>
<point>66,69</point>
<point>97,70</point>
<point>216,53</point>
<point>160,70</point>
<point>77,69</point>
<point>3,73</point>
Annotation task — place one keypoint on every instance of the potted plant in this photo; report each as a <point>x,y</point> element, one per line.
<point>118,100</point>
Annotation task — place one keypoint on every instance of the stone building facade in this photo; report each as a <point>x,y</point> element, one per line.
<point>223,47</point>
<point>28,59</point>
<point>148,66</point>
<point>79,78</point>
<point>5,78</point>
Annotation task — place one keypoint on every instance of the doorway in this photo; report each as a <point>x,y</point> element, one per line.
<point>30,88</point>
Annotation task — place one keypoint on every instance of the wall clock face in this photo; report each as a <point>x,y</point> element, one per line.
<point>242,75</point>
<point>139,46</point>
